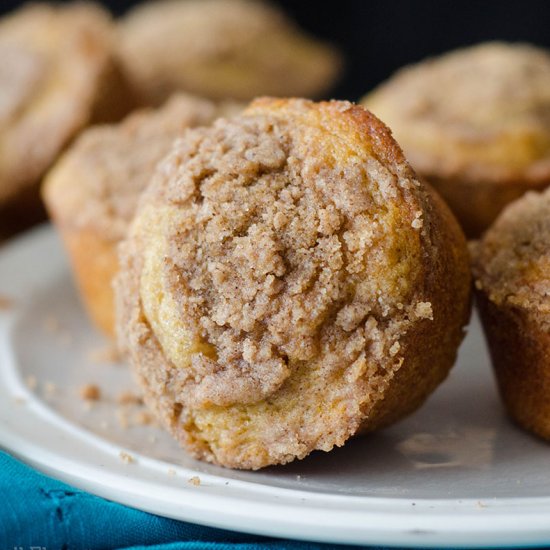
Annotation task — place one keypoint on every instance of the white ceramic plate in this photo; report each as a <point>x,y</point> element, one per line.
<point>456,473</point>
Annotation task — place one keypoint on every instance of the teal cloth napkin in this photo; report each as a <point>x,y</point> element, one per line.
<point>41,513</point>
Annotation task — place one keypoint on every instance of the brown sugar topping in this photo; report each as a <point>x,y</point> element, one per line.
<point>512,261</point>
<point>273,246</point>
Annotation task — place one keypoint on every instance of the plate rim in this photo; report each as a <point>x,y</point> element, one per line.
<point>220,502</point>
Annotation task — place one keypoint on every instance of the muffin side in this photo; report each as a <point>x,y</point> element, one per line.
<point>448,282</point>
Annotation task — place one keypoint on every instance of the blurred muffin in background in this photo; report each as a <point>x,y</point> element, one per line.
<point>511,266</point>
<point>92,192</point>
<point>56,74</point>
<point>221,49</point>
<point>475,123</point>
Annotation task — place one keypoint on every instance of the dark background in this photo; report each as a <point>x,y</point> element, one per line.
<point>378,37</point>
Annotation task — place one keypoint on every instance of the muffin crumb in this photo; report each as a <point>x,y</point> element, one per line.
<point>122,417</point>
<point>6,303</point>
<point>417,223</point>
<point>126,457</point>
<point>90,392</point>
<point>195,480</point>
<point>104,354</point>
<point>394,350</point>
<point>424,310</point>
<point>144,418</point>
<point>49,388</point>
<point>128,397</point>
<point>31,382</point>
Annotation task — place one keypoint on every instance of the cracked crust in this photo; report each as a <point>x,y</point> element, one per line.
<point>56,66</point>
<point>287,283</point>
<point>93,190</point>
<point>511,267</point>
<point>221,49</point>
<point>475,123</point>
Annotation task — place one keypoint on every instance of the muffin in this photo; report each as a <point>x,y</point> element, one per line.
<point>55,71</point>
<point>287,283</point>
<point>92,191</point>
<point>475,123</point>
<point>221,49</point>
<point>511,267</point>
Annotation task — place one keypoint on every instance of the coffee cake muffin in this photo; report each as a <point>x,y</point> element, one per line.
<point>221,49</point>
<point>92,192</point>
<point>475,123</point>
<point>55,69</point>
<point>287,283</point>
<point>512,278</point>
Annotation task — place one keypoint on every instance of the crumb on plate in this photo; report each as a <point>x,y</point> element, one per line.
<point>122,417</point>
<point>49,388</point>
<point>31,382</point>
<point>143,418</point>
<point>128,397</point>
<point>126,457</point>
<point>5,303</point>
<point>104,354</point>
<point>195,480</point>
<point>90,392</point>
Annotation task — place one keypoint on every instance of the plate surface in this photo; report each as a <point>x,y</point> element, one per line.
<point>456,473</point>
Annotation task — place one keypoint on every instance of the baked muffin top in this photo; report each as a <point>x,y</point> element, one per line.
<point>512,261</point>
<point>481,112</point>
<point>278,268</point>
<point>221,49</point>
<point>51,62</point>
<point>258,219</point>
<point>97,182</point>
